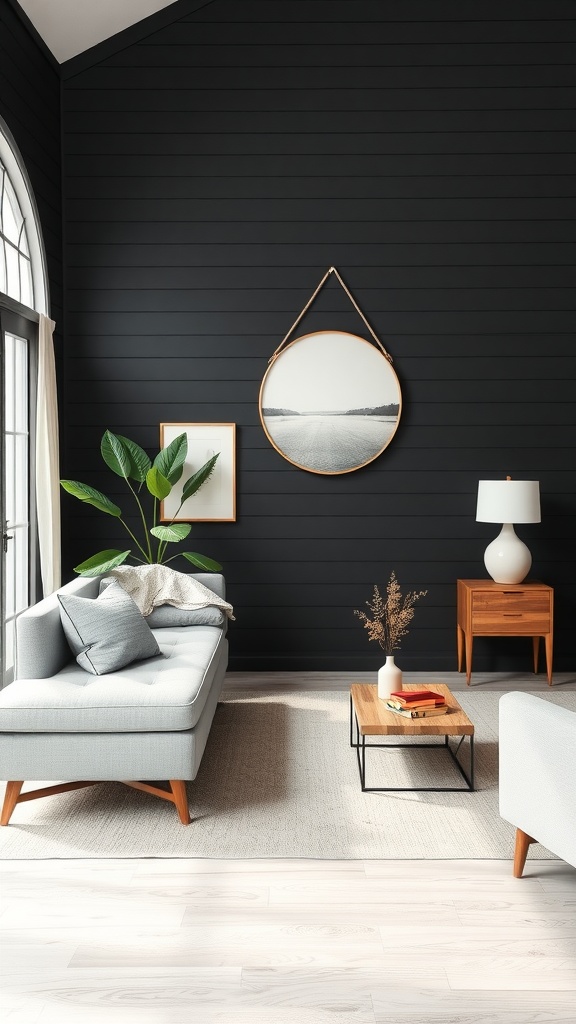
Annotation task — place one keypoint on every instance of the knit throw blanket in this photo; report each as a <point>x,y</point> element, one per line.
<point>152,585</point>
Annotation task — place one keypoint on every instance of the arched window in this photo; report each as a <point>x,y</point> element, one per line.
<point>15,266</point>
<point>22,259</point>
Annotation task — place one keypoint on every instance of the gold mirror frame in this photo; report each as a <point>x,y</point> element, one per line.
<point>330,402</point>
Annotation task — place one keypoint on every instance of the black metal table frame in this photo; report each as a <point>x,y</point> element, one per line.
<point>361,746</point>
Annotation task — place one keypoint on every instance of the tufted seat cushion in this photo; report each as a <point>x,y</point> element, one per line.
<point>165,693</point>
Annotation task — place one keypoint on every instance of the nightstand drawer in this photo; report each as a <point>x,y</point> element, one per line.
<point>513,611</point>
<point>513,602</point>
<point>510,622</point>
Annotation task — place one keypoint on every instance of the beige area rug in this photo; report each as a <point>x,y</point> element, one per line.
<point>279,779</point>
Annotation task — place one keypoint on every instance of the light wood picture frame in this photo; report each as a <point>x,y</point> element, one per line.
<point>330,402</point>
<point>215,501</point>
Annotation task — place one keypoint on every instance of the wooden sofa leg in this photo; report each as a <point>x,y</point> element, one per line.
<point>521,851</point>
<point>10,800</point>
<point>181,800</point>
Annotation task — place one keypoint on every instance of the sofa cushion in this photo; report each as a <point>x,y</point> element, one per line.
<point>106,633</point>
<point>166,615</point>
<point>164,693</point>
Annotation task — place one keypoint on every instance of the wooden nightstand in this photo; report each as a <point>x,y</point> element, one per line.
<point>486,608</point>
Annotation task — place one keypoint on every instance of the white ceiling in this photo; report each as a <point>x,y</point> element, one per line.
<point>69,27</point>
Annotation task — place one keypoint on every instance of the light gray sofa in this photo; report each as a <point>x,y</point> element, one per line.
<point>537,795</point>
<point>150,720</point>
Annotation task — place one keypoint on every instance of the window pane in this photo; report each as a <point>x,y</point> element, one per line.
<point>3,286</point>
<point>9,650</point>
<point>13,283</point>
<point>9,420</point>
<point>21,383</point>
<point>21,482</point>
<point>26,295</point>
<point>20,543</point>
<point>11,214</point>
<point>9,566</point>
<point>23,246</point>
<point>10,484</point>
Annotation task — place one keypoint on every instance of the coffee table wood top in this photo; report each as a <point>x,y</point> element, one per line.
<point>375,720</point>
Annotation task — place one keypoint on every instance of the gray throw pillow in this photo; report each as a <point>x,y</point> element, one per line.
<point>106,633</point>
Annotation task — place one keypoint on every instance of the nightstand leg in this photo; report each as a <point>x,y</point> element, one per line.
<point>548,640</point>
<point>469,641</point>
<point>536,648</point>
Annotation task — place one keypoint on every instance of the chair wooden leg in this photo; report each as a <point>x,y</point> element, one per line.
<point>10,800</point>
<point>521,851</point>
<point>181,800</point>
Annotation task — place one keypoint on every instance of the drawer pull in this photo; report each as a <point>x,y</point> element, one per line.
<point>512,615</point>
<point>518,593</point>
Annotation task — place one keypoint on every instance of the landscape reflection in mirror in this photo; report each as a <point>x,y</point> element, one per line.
<point>330,402</point>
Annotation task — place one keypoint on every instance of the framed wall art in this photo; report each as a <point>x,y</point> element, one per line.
<point>215,501</point>
<point>330,402</point>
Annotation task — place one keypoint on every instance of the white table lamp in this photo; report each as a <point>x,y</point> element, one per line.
<point>507,558</point>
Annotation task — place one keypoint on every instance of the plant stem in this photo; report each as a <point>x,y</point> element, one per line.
<point>165,544</point>
<point>143,518</point>
<point>136,541</point>
<point>159,548</point>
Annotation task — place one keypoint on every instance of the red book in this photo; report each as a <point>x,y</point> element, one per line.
<point>410,696</point>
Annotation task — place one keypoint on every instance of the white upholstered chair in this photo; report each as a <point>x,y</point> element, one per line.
<point>537,775</point>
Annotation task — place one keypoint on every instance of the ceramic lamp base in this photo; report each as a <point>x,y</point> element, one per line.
<point>507,558</point>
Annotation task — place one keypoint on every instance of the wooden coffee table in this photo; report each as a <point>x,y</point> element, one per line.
<point>369,717</point>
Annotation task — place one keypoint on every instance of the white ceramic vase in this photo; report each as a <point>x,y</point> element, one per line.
<point>389,678</point>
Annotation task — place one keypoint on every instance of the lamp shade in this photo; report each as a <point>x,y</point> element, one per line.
<point>508,501</point>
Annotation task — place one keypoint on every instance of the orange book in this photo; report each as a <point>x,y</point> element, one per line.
<point>417,694</point>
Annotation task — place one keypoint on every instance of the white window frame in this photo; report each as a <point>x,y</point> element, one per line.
<point>10,310</point>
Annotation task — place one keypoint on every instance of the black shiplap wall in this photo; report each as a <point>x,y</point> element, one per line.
<point>214,170</point>
<point>30,106</point>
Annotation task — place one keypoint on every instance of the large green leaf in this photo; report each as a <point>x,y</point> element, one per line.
<point>139,461</point>
<point>91,496</point>
<point>170,460</point>
<point>157,484</point>
<point>101,562</point>
<point>200,477</point>
<point>115,454</point>
<point>201,561</point>
<point>175,532</point>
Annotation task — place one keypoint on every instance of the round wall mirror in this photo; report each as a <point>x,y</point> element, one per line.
<point>330,402</point>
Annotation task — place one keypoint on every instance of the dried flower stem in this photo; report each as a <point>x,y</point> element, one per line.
<point>392,616</point>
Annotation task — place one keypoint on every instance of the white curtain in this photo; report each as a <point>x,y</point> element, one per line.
<point>47,460</point>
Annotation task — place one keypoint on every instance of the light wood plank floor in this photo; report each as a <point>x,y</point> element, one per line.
<point>289,941</point>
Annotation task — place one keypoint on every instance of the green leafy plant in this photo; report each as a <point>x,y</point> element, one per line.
<point>129,461</point>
